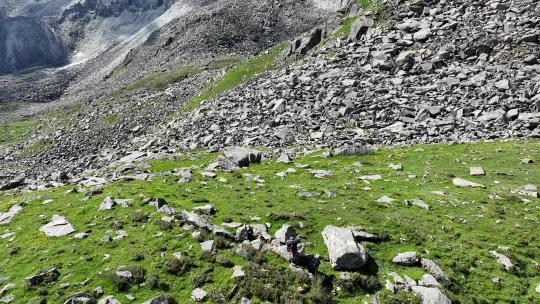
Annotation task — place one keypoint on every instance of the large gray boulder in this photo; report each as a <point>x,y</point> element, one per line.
<point>344,251</point>
<point>242,157</point>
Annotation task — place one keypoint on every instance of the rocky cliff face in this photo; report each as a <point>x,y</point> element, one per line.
<point>27,43</point>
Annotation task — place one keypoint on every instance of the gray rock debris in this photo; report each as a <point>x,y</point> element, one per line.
<point>344,251</point>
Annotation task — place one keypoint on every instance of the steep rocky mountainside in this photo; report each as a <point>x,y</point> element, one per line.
<point>430,73</point>
<point>419,72</point>
<point>188,46</point>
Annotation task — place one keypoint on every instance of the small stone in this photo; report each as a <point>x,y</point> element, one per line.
<point>477,171</point>
<point>209,174</point>
<point>284,158</point>
<point>409,258</point>
<point>208,246</point>
<point>428,280</point>
<point>81,236</point>
<point>238,272</point>
<point>397,167</point>
<point>385,199</point>
<point>199,295</point>
<point>418,202</point>
<point>503,260</point>
<point>503,85</point>
<point>107,204</point>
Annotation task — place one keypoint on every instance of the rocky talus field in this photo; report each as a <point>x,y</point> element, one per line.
<point>164,152</point>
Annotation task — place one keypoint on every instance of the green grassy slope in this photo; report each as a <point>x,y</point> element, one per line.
<point>458,232</point>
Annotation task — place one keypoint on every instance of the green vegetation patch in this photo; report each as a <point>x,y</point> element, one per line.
<point>458,231</point>
<point>238,75</point>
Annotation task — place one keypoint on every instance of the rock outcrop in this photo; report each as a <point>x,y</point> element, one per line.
<point>28,42</point>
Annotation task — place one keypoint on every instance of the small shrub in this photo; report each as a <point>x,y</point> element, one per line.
<point>154,282</point>
<point>140,217</point>
<point>178,266</point>
<point>117,224</point>
<point>358,282</point>
<point>14,250</point>
<point>220,242</point>
<point>201,278</point>
<point>123,283</point>
<point>164,225</point>
<point>216,296</point>
<point>208,257</point>
<point>138,256</point>
<point>37,301</point>
<point>224,261</point>
<point>270,283</point>
<point>321,290</point>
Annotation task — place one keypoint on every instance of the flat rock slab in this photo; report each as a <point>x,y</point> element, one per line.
<point>5,218</point>
<point>465,183</point>
<point>344,251</point>
<point>477,171</point>
<point>132,157</point>
<point>409,258</point>
<point>58,226</point>
<point>431,295</point>
<point>370,177</point>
